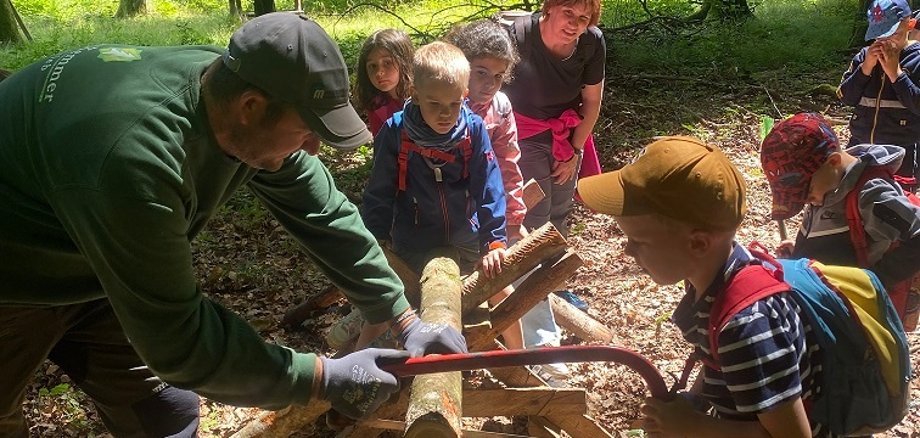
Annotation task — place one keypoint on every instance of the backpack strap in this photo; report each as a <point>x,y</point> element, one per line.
<point>406,145</point>
<point>854,218</point>
<point>466,148</point>
<point>749,285</point>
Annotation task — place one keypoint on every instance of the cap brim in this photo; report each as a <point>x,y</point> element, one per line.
<point>339,127</point>
<point>785,207</point>
<point>876,32</point>
<point>603,193</point>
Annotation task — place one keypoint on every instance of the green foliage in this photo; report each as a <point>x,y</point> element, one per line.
<point>794,35</point>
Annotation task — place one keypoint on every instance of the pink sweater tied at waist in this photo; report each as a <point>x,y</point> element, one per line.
<point>561,128</point>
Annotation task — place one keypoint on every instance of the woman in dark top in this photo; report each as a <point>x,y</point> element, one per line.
<point>556,94</point>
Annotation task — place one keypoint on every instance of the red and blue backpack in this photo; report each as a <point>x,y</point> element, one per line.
<point>865,360</point>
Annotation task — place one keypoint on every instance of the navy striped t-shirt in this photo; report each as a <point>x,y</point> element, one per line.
<point>767,353</point>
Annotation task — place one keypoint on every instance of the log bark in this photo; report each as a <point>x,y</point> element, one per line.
<point>280,424</point>
<point>534,289</point>
<point>521,258</point>
<point>436,400</point>
<point>579,323</point>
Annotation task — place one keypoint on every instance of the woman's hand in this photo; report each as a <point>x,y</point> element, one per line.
<point>565,171</point>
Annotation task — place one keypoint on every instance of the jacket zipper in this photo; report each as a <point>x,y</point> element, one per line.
<point>444,213</point>
<point>878,104</point>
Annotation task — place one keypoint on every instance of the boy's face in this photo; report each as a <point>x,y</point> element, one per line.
<point>660,247</point>
<point>899,38</point>
<point>440,103</point>
<point>824,180</point>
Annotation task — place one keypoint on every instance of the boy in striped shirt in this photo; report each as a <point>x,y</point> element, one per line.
<point>679,205</point>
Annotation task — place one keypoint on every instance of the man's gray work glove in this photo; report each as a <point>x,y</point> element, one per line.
<point>421,338</point>
<point>355,385</point>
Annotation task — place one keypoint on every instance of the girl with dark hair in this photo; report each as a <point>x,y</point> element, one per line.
<point>384,75</point>
<point>492,55</point>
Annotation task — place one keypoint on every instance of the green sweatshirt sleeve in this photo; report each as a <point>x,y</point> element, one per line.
<point>142,257</point>
<point>304,199</point>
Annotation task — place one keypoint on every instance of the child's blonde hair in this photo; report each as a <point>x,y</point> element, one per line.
<point>400,47</point>
<point>440,62</point>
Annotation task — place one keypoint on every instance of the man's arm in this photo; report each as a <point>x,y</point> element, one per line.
<point>303,198</point>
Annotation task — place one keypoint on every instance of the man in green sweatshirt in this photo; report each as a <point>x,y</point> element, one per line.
<point>112,158</point>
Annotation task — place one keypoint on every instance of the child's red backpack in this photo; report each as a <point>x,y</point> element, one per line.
<point>898,292</point>
<point>865,360</point>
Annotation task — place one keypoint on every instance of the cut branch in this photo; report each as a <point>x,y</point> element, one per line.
<point>579,323</point>
<point>543,243</point>
<point>436,400</point>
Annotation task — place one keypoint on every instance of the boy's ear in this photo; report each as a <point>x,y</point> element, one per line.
<point>700,242</point>
<point>834,158</point>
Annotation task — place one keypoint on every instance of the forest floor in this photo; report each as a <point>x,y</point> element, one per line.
<point>247,263</point>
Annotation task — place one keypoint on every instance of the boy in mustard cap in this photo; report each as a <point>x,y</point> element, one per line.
<point>679,205</point>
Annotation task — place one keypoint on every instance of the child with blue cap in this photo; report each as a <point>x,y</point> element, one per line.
<point>881,84</point>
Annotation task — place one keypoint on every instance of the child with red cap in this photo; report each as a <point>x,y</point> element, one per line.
<point>805,165</point>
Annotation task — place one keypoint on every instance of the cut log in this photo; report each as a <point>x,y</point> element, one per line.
<point>399,425</point>
<point>281,424</point>
<point>577,426</point>
<point>509,402</point>
<point>539,427</point>
<point>535,288</point>
<point>579,323</point>
<point>436,400</point>
<point>532,193</point>
<point>540,245</point>
<point>326,298</point>
<point>295,317</point>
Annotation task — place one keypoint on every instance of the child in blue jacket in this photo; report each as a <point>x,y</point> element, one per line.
<point>435,180</point>
<point>881,84</point>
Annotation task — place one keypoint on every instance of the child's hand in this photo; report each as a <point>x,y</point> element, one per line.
<point>890,59</point>
<point>872,57</point>
<point>671,418</point>
<point>492,262</point>
<point>785,248</point>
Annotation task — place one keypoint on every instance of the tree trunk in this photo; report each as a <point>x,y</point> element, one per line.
<point>263,7</point>
<point>131,8</point>
<point>722,10</point>
<point>236,8</point>
<point>860,25</point>
<point>436,400</point>
<point>9,29</point>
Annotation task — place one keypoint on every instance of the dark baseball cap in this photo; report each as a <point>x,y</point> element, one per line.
<point>790,155</point>
<point>292,58</point>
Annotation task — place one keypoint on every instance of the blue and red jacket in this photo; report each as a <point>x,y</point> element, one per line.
<point>442,202</point>
<point>885,112</point>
